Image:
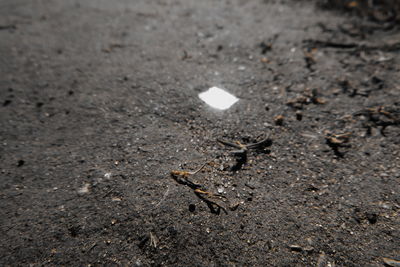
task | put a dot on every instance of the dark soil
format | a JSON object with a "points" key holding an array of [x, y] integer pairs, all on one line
{"points": [[99, 103]]}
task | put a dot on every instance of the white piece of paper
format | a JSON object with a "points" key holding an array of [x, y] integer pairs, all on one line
{"points": [[218, 98]]}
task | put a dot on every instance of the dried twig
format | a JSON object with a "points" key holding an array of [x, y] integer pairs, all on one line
{"points": [[241, 153], [182, 177], [335, 141]]}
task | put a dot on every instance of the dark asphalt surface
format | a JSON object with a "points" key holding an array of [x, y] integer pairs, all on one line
{"points": [[99, 103]]}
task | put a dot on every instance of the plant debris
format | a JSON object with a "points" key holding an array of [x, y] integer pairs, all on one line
{"points": [[309, 58], [380, 116], [212, 205], [279, 120], [391, 262], [241, 153], [8, 27], [309, 96], [336, 141], [352, 47], [182, 177]]}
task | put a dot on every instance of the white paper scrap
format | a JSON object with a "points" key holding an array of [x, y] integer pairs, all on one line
{"points": [[218, 98]]}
